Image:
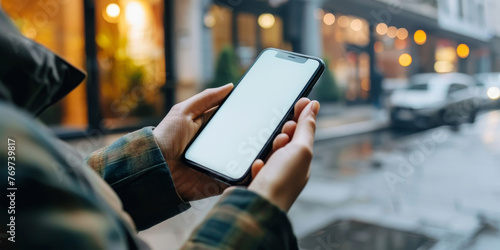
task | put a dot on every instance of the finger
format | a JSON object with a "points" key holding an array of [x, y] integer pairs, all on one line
{"points": [[206, 116], [306, 125], [289, 128], [256, 167], [209, 98], [280, 141], [299, 106]]}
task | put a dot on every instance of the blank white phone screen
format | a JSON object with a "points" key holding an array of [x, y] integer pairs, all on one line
{"points": [[244, 123]]}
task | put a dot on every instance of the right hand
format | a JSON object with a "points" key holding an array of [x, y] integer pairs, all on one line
{"points": [[281, 179]]}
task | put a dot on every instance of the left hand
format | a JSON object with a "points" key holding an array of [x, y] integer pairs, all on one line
{"points": [[174, 133], [182, 123]]}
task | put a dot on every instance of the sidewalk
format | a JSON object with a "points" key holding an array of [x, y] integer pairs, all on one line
{"points": [[336, 121]]}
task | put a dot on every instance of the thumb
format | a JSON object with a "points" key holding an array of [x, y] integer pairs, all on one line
{"points": [[306, 125], [209, 98]]}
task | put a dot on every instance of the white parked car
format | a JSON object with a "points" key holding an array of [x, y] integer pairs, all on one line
{"points": [[435, 99]]}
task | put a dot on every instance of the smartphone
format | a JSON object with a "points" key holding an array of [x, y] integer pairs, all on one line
{"points": [[244, 126]]}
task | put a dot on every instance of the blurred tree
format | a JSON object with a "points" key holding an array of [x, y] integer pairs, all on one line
{"points": [[226, 70], [326, 88]]}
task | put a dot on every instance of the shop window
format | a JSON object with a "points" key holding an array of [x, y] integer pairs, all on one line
{"points": [[242, 34], [59, 26], [247, 44], [131, 61], [222, 28], [344, 41], [273, 36]]}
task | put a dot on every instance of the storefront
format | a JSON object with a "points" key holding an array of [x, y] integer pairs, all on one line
{"points": [[120, 43], [142, 56]]}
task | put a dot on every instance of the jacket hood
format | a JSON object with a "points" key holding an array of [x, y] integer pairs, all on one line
{"points": [[32, 77]]}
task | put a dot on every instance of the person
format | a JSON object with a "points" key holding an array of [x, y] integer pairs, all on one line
{"points": [[54, 199]]}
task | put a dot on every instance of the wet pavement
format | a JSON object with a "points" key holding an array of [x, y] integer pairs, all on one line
{"points": [[434, 189], [439, 184]]}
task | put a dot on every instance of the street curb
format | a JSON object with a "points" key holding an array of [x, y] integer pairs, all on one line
{"points": [[350, 129]]}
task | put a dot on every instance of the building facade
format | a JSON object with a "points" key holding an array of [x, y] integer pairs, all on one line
{"points": [[142, 56]]}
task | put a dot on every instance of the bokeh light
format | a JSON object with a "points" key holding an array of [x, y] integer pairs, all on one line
{"points": [[392, 32], [266, 20], [493, 93], [382, 29], [356, 25], [209, 21], [329, 19], [402, 33], [420, 37], [113, 10], [463, 50], [111, 13], [405, 60]]}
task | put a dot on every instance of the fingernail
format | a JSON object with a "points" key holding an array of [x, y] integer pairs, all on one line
{"points": [[315, 107]]}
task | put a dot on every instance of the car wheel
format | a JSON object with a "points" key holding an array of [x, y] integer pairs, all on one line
{"points": [[422, 122], [472, 117], [440, 121]]}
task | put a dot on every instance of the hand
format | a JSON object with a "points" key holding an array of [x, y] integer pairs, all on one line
{"points": [[281, 179], [174, 133], [179, 127]]}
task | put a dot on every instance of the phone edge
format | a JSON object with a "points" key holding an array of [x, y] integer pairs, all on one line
{"points": [[246, 178]]}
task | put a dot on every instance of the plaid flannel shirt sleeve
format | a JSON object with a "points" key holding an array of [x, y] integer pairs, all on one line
{"points": [[243, 220], [136, 170]]}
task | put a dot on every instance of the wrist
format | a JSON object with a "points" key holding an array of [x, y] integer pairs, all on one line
{"points": [[279, 199]]}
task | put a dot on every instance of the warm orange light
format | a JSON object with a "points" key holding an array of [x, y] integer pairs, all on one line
{"points": [[446, 54], [135, 14], [356, 25], [463, 50], [405, 60], [266, 20], [329, 19], [444, 67], [382, 29], [400, 44], [111, 13], [365, 84], [343, 21], [392, 32], [209, 21], [420, 37], [113, 10], [402, 33], [379, 47]]}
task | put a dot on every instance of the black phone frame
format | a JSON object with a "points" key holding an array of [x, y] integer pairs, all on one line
{"points": [[246, 178]]}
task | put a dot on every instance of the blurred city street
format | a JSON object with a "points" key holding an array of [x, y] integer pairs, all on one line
{"points": [[439, 184], [407, 144]]}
